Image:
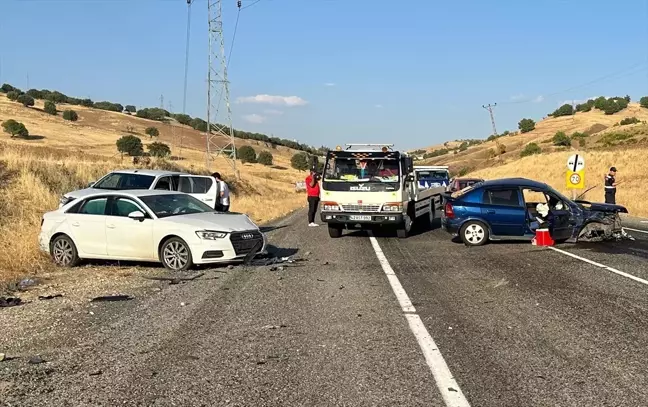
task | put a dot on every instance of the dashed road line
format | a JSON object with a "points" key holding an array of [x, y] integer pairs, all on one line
{"points": [[636, 230], [603, 266], [446, 383]]}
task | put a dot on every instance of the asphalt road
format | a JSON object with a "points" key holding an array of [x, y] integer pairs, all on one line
{"points": [[516, 325]]}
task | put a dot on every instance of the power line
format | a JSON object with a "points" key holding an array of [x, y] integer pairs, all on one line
{"points": [[252, 4], [623, 72]]}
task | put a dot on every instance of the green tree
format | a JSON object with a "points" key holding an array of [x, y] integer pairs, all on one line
{"points": [[643, 102], [265, 158], [13, 95], [198, 124], [25, 100], [561, 139], [526, 125], [16, 129], [530, 149], [6, 88], [70, 115], [246, 154], [183, 119], [35, 93], [160, 150], [86, 102], [50, 107], [110, 106], [564, 110], [629, 120], [152, 132], [130, 108], [152, 113], [130, 145], [56, 97], [299, 161]]}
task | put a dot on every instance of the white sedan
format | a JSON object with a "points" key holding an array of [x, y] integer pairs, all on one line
{"points": [[170, 227]]}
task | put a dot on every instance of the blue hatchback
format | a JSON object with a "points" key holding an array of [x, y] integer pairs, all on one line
{"points": [[505, 209]]}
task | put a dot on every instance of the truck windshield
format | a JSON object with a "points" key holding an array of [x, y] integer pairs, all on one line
{"points": [[351, 169]]}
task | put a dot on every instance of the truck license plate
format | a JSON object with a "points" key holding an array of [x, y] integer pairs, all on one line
{"points": [[360, 217]]}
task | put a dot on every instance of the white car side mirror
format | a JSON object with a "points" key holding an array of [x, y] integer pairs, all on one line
{"points": [[137, 215]]}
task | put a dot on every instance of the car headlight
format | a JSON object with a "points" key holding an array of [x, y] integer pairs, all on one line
{"points": [[210, 234]]}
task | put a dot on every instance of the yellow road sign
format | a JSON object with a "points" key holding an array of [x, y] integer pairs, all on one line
{"points": [[575, 179]]}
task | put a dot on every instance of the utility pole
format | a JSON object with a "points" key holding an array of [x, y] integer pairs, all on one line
{"points": [[172, 128], [27, 80], [217, 91], [161, 101], [490, 110]]}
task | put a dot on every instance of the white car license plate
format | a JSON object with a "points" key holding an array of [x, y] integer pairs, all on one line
{"points": [[360, 217]]}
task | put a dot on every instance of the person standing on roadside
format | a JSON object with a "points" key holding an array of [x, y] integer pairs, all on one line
{"points": [[313, 192], [610, 186], [222, 194]]}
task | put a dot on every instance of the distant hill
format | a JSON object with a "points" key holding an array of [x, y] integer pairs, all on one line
{"points": [[597, 131]]}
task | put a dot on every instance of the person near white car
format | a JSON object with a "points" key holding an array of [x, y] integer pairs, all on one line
{"points": [[223, 198], [170, 227]]}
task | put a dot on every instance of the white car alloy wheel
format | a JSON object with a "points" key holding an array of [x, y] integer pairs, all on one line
{"points": [[474, 234], [175, 255], [64, 252]]}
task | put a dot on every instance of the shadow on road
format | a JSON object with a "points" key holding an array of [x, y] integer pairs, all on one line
{"points": [[266, 229]]}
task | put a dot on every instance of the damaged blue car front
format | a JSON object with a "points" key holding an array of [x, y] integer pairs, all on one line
{"points": [[502, 210]]}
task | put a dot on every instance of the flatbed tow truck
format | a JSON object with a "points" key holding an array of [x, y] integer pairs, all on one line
{"points": [[367, 186]]}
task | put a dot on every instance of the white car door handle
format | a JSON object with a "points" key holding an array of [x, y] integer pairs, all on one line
{"points": [[208, 199], [75, 223], [110, 226]]}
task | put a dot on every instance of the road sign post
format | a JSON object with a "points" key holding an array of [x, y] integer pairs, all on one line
{"points": [[575, 177]]}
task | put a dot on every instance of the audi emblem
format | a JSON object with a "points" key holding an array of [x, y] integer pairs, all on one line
{"points": [[247, 236]]}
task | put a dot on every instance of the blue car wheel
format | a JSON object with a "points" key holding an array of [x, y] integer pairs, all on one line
{"points": [[473, 233]]}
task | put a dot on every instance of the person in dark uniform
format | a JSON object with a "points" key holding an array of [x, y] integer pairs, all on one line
{"points": [[610, 186]]}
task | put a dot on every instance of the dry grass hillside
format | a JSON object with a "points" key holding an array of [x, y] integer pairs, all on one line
{"points": [[598, 127], [551, 168], [604, 142], [60, 156]]}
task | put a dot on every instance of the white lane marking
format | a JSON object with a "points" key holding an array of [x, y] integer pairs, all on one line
{"points": [[603, 266], [636, 230], [446, 383]]}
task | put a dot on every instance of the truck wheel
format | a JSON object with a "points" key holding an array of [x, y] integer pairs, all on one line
{"points": [[404, 230], [474, 233], [335, 231]]}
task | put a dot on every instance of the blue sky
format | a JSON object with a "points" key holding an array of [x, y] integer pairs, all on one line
{"points": [[358, 70]]}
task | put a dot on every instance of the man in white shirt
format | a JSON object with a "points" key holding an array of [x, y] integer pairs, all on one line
{"points": [[223, 198]]}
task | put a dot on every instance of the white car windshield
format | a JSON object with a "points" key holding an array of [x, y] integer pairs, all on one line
{"points": [[120, 181], [174, 204]]}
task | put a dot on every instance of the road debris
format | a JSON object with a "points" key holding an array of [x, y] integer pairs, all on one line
{"points": [[97, 372], [49, 297], [110, 298], [36, 360], [10, 302], [174, 279], [26, 283], [274, 326], [2, 357]]}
